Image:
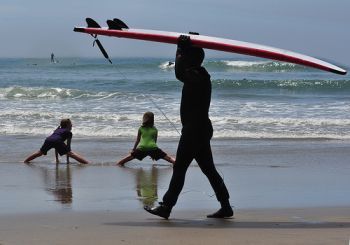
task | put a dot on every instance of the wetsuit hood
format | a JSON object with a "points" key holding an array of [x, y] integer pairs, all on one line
{"points": [[189, 56]]}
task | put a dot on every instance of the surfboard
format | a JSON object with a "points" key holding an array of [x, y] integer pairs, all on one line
{"points": [[117, 28]]}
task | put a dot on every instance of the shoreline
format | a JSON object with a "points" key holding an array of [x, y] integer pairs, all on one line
{"points": [[126, 143]]}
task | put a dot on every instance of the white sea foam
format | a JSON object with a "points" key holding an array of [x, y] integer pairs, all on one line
{"points": [[36, 92], [167, 65], [240, 63], [250, 99], [107, 124], [262, 66]]}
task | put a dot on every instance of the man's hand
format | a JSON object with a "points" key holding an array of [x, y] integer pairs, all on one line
{"points": [[184, 42]]}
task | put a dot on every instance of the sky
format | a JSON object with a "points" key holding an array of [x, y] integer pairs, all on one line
{"points": [[36, 28]]}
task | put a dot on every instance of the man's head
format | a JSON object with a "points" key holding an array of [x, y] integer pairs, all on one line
{"points": [[191, 56]]}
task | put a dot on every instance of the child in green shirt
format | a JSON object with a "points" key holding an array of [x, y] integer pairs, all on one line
{"points": [[146, 143]]}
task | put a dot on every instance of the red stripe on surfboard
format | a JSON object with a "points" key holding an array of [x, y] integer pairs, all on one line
{"points": [[133, 35]]}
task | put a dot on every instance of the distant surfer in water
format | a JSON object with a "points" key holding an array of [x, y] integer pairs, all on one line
{"points": [[146, 143], [197, 131], [52, 58], [56, 140]]}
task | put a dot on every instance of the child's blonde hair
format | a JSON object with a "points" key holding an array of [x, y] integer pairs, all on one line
{"points": [[148, 119], [65, 123]]}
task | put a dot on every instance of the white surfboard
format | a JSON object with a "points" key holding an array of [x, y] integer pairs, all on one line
{"points": [[118, 29]]}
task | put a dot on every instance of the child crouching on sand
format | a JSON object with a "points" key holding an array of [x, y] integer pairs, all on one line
{"points": [[56, 140], [146, 143]]}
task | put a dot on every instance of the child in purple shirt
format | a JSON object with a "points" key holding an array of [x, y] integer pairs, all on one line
{"points": [[56, 140]]}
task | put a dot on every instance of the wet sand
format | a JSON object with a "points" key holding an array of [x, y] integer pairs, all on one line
{"points": [[283, 192], [278, 226]]}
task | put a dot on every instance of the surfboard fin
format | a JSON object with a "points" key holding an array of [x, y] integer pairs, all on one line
{"points": [[116, 24], [120, 23], [113, 25], [92, 23]]}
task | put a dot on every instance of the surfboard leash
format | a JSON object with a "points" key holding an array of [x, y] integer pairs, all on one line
{"points": [[99, 44], [153, 102]]}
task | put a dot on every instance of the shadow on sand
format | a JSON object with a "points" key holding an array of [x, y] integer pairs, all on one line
{"points": [[230, 223]]}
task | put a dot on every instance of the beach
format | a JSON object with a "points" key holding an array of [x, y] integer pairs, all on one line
{"points": [[281, 131], [281, 143], [283, 192]]}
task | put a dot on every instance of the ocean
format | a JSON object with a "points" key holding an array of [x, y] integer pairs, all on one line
{"points": [[281, 134], [252, 98]]}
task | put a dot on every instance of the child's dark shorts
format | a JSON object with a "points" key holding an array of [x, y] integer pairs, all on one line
{"points": [[60, 147], [155, 154]]}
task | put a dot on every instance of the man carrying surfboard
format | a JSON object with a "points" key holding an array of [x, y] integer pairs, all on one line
{"points": [[197, 131], [196, 94]]}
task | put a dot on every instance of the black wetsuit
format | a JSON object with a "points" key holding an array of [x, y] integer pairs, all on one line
{"points": [[196, 134]]}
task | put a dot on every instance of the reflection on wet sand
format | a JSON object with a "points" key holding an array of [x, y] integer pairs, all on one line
{"points": [[147, 185], [58, 181]]}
